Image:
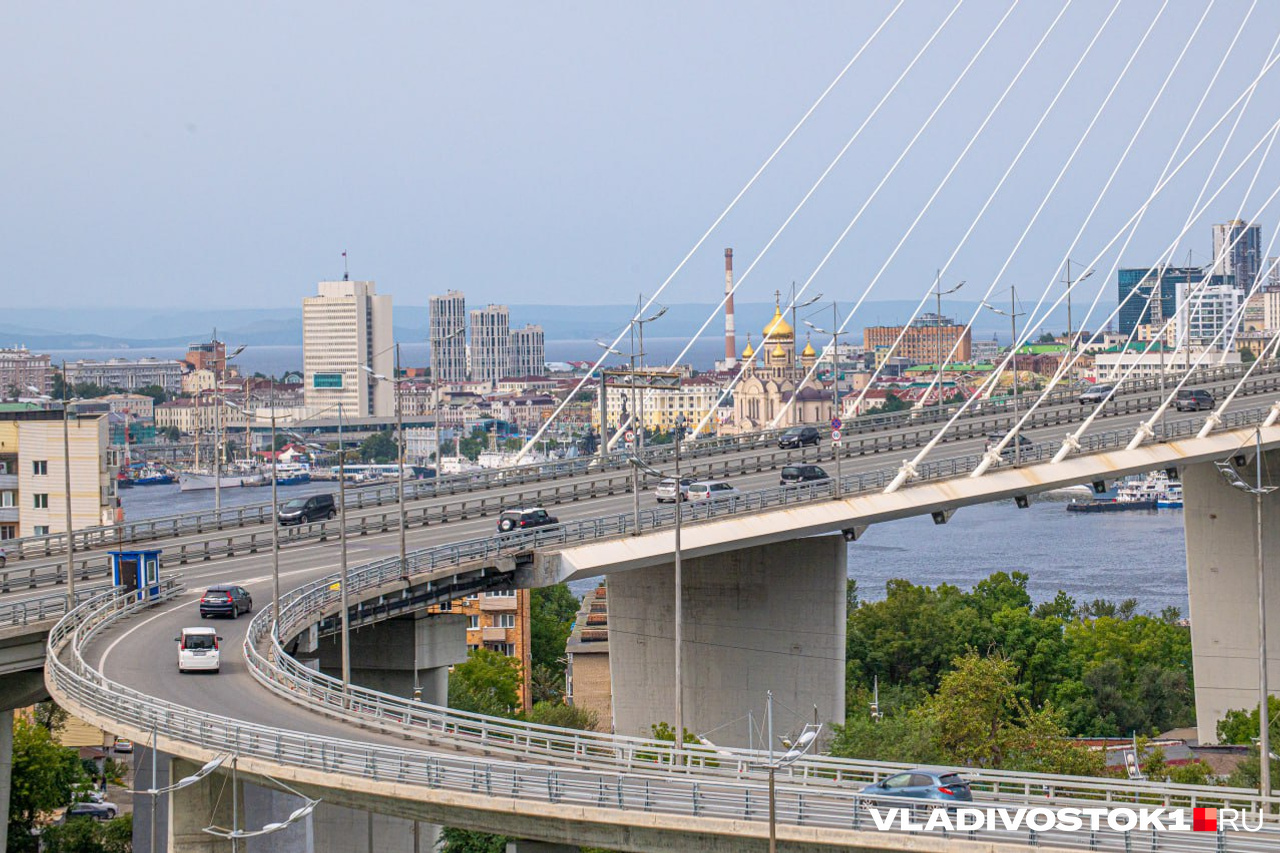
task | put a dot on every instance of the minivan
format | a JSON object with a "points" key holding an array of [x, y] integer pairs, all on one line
{"points": [[306, 510], [799, 437], [198, 650], [712, 490], [1193, 400], [803, 474]]}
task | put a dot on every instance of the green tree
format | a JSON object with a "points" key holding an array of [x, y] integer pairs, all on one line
{"points": [[552, 610], [472, 445], [155, 392], [547, 713], [380, 448], [1247, 356], [85, 835], [1238, 726], [170, 433], [43, 776], [486, 683], [453, 840]]}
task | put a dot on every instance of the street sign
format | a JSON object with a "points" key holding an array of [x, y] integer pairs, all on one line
{"points": [[835, 436], [835, 423], [629, 437]]}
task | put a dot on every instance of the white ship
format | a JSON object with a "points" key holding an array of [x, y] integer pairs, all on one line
{"points": [[194, 481]]}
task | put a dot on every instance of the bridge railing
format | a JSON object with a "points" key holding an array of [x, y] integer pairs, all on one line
{"points": [[355, 765], [993, 414]]}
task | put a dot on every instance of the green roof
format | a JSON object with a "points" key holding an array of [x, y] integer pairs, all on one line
{"points": [[19, 407], [1042, 349], [967, 368]]}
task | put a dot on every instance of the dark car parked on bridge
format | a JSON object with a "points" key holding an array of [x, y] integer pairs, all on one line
{"points": [[919, 784], [225, 600], [994, 439], [523, 519], [1193, 400], [799, 437], [803, 474], [307, 510]]}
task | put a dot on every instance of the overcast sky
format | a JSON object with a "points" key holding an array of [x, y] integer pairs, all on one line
{"points": [[226, 154]]}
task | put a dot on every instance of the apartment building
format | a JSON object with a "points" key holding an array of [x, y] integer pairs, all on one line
{"points": [[448, 325], [127, 375], [499, 621], [919, 343], [22, 370], [588, 684], [192, 415], [490, 347], [528, 352], [660, 407], [346, 328], [33, 468]]}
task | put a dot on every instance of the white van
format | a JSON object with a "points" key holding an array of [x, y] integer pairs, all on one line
{"points": [[197, 649]]}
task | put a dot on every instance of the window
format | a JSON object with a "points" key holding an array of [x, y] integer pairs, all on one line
{"points": [[504, 620], [471, 647], [502, 648], [446, 607], [39, 467], [41, 500], [41, 530], [473, 622], [8, 498], [502, 593]]}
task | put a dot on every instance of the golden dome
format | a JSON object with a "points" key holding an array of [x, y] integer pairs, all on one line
{"points": [[778, 351], [779, 328], [809, 351], [749, 351]]}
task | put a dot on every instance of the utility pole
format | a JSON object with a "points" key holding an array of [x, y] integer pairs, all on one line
{"points": [[1264, 710], [404, 517], [66, 482], [679, 584], [939, 293], [342, 537]]}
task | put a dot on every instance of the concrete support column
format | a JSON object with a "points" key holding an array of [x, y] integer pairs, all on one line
{"points": [[757, 619], [397, 655], [6, 773], [206, 803], [1222, 578]]}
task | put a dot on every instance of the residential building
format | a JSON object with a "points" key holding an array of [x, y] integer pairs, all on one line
{"points": [[33, 460], [528, 352], [490, 347], [207, 356], [499, 621], [661, 406], [522, 384], [588, 684], [138, 406], [1273, 274], [193, 415], [127, 375], [448, 323], [22, 370], [1111, 364], [984, 351], [920, 343], [346, 328], [1208, 315], [1271, 310], [1237, 252]]}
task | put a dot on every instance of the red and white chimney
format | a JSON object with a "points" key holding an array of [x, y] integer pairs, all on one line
{"points": [[730, 339]]}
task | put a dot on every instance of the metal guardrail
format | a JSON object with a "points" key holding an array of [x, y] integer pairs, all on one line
{"points": [[994, 413], [691, 796], [229, 542]]}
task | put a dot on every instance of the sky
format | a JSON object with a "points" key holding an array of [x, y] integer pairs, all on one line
{"points": [[225, 155]]}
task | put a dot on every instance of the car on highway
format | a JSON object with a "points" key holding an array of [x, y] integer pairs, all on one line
{"points": [[96, 811], [799, 437], [802, 474], [225, 599], [524, 519], [922, 784], [198, 650], [1193, 400], [994, 439], [712, 490], [121, 744], [666, 491], [3, 558], [1096, 394], [308, 509]]}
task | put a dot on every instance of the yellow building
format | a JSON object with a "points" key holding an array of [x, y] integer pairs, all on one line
{"points": [[660, 407], [499, 621]]}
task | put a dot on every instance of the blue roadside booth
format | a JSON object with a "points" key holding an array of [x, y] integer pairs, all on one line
{"points": [[137, 572]]}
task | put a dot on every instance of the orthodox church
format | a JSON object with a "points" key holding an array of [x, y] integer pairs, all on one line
{"points": [[770, 380]]}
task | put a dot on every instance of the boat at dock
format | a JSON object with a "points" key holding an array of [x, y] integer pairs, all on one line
{"points": [[1154, 491]]}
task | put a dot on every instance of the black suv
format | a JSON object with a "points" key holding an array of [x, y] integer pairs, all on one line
{"points": [[1189, 400], [225, 599], [1019, 440], [306, 510], [523, 519], [803, 474], [799, 437]]}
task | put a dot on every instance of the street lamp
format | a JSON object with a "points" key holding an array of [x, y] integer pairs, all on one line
{"points": [[795, 751], [395, 383], [66, 453], [1258, 491], [939, 293], [1071, 339], [795, 306], [835, 333], [638, 324], [436, 380], [1013, 316]]}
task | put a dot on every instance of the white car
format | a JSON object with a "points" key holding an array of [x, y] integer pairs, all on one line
{"points": [[711, 490], [198, 650]]}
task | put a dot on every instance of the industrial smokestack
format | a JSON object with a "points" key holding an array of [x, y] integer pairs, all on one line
{"points": [[730, 339]]}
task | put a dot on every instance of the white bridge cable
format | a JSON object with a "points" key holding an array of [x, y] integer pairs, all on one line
{"points": [[871, 197], [972, 225], [1072, 441], [1065, 366], [908, 468], [1144, 430], [532, 442]]}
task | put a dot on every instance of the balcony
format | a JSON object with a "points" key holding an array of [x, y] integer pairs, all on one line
{"points": [[8, 514], [499, 604], [494, 635], [8, 482]]}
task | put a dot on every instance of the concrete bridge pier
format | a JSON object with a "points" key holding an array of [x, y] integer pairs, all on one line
{"points": [[1222, 578], [17, 690], [764, 618], [397, 655]]}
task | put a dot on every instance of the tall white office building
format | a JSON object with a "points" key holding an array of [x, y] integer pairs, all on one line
{"points": [[1237, 251], [528, 352], [490, 343], [448, 318], [345, 328], [1204, 312]]}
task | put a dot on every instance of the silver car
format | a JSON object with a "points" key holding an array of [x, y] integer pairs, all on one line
{"points": [[1096, 394], [666, 491], [712, 490]]}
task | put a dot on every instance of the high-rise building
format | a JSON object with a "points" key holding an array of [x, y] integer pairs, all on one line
{"points": [[528, 352], [21, 370], [448, 318], [1142, 308], [1273, 274], [1208, 315], [921, 344], [490, 343], [344, 329], [1237, 251]]}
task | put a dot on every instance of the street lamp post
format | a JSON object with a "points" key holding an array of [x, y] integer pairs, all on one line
{"points": [[1013, 316], [66, 482], [835, 333], [275, 521], [395, 384], [1071, 336], [342, 538], [679, 584], [795, 751], [639, 324], [939, 293], [436, 380]]}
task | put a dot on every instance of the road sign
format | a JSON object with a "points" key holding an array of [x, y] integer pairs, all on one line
{"points": [[835, 436], [629, 437], [835, 423]]}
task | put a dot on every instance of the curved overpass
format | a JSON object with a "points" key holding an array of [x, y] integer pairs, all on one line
{"points": [[700, 796]]}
